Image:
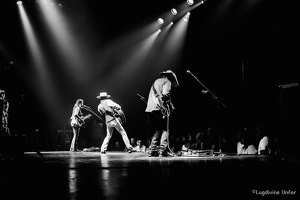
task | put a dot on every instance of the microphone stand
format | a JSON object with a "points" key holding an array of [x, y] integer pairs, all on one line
{"points": [[147, 116], [214, 98], [207, 90], [90, 110]]}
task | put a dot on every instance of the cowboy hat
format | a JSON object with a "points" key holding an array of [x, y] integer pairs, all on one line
{"points": [[171, 76], [103, 95]]}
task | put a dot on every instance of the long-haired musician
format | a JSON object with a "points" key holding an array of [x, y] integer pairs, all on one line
{"points": [[77, 119], [159, 107], [114, 117], [4, 114]]}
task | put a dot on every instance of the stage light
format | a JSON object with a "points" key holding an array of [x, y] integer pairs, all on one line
{"points": [[19, 2], [173, 11], [190, 2], [160, 21], [186, 17]]}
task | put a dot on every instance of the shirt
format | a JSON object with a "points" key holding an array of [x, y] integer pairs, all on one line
{"points": [[263, 144], [105, 105], [75, 114], [163, 87]]}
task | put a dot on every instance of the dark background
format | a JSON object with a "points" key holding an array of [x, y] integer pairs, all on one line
{"points": [[242, 51]]}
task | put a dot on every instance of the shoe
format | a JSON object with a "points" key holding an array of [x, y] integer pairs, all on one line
{"points": [[130, 150], [74, 150], [163, 154], [152, 153], [103, 152]]}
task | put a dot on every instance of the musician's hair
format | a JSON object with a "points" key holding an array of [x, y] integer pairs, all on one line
{"points": [[79, 101]]}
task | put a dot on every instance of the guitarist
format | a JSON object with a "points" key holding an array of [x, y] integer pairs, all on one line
{"points": [[77, 119], [114, 118], [159, 107]]}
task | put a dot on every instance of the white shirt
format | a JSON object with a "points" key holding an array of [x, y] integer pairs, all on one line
{"points": [[75, 113], [250, 149], [263, 144], [105, 105], [162, 86]]}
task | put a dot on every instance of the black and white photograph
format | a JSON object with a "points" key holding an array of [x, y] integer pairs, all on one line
{"points": [[169, 99]]}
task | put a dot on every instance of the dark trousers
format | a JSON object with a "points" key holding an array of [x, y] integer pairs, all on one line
{"points": [[158, 126]]}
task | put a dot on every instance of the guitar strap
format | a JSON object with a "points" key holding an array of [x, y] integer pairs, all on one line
{"points": [[157, 93]]}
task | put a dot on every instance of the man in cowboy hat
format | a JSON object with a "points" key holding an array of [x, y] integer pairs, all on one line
{"points": [[159, 106], [107, 107]]}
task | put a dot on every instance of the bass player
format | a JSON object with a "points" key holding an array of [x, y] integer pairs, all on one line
{"points": [[159, 107]]}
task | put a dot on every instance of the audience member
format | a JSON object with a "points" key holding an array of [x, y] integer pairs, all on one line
{"points": [[140, 147], [117, 146], [263, 141], [275, 146], [212, 139], [200, 141], [187, 142], [176, 148], [133, 142], [246, 145]]}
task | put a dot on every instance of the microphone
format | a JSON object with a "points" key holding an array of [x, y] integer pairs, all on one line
{"points": [[84, 106], [204, 91]]}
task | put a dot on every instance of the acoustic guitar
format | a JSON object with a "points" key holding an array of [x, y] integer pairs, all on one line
{"points": [[119, 115]]}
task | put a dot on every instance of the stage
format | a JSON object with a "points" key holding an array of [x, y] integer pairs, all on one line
{"points": [[118, 175]]}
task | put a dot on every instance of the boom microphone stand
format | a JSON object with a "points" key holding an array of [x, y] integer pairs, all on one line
{"points": [[215, 98]]}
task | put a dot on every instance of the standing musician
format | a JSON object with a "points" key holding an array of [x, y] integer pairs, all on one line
{"points": [[159, 107], [77, 119], [4, 114], [114, 117]]}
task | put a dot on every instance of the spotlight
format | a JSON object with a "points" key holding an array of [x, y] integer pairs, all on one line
{"points": [[160, 21], [186, 17], [19, 2], [173, 11], [190, 2]]}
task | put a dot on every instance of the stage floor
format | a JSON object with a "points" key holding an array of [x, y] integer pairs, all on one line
{"points": [[119, 175]]}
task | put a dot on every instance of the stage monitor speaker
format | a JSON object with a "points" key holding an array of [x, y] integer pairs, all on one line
{"points": [[289, 119]]}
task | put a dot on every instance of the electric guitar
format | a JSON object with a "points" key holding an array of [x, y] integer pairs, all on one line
{"points": [[166, 107], [81, 120]]}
